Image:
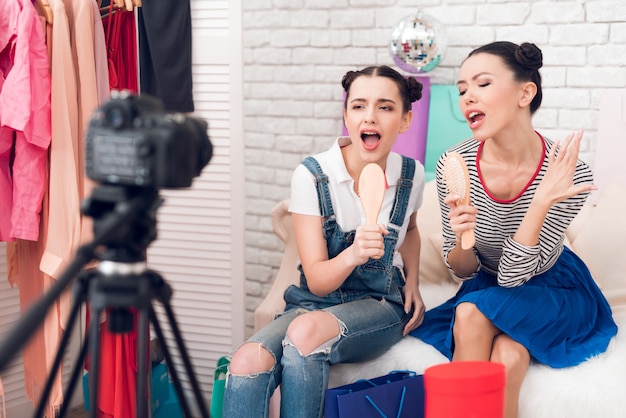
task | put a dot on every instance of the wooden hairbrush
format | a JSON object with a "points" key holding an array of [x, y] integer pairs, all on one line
{"points": [[456, 179], [372, 186]]}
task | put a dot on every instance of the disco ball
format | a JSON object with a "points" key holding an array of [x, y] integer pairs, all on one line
{"points": [[418, 43]]}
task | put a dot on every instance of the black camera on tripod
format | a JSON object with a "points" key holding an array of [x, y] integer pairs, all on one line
{"points": [[133, 148], [132, 141]]}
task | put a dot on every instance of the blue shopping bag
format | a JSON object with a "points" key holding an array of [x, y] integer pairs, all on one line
{"points": [[399, 394]]}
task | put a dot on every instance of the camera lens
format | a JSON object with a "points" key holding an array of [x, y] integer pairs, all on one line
{"points": [[198, 128]]}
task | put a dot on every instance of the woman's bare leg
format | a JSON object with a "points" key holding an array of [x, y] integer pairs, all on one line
{"points": [[251, 358], [473, 334], [309, 331], [306, 332], [516, 360]]}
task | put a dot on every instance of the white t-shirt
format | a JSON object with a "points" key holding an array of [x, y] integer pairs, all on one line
{"points": [[346, 204]]}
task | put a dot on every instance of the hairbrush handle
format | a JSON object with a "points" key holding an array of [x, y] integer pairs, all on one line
{"points": [[372, 186], [468, 239], [456, 178], [372, 191]]}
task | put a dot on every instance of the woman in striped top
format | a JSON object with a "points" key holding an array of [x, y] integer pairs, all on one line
{"points": [[524, 295]]}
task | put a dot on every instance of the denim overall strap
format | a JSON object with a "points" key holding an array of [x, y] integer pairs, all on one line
{"points": [[376, 278], [321, 183], [403, 191]]}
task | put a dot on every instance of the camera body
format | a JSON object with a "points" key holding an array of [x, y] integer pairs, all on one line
{"points": [[132, 141]]}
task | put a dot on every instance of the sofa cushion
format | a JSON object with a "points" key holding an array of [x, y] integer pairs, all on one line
{"points": [[597, 242], [429, 214], [432, 268], [579, 222]]}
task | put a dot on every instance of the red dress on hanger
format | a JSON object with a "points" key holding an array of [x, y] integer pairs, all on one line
{"points": [[118, 361]]}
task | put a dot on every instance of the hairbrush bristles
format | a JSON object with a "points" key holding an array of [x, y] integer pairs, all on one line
{"points": [[456, 179]]}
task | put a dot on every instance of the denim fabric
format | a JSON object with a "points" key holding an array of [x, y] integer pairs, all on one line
{"points": [[368, 307]]}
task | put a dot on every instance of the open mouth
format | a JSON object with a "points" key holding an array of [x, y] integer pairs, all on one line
{"points": [[370, 139], [475, 118]]}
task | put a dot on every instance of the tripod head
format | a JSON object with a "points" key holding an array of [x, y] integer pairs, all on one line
{"points": [[122, 250], [138, 206]]}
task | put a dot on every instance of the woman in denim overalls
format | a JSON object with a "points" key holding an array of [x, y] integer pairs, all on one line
{"points": [[358, 292]]}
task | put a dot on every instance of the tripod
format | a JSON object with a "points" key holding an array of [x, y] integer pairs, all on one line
{"points": [[124, 225]]}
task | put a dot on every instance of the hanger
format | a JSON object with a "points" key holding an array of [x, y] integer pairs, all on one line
{"points": [[112, 7], [45, 10], [118, 5]]}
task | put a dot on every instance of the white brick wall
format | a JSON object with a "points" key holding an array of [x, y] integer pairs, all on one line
{"points": [[296, 51]]}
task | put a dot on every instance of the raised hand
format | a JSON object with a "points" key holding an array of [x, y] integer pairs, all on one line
{"points": [[558, 182]]}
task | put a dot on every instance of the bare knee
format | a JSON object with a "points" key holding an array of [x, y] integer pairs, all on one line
{"points": [[308, 331], [514, 356], [468, 319], [251, 358]]}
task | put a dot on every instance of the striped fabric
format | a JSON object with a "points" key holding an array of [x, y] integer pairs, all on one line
{"points": [[497, 221]]}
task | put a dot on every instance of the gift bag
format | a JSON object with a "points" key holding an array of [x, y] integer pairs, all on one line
{"points": [[398, 394], [446, 125], [219, 384]]}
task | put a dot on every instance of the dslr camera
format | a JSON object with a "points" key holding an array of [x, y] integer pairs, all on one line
{"points": [[132, 141]]}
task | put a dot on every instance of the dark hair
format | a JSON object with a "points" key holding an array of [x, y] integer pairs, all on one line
{"points": [[410, 89], [524, 60]]}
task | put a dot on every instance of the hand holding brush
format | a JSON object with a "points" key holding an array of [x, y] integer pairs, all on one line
{"points": [[456, 179], [372, 186]]}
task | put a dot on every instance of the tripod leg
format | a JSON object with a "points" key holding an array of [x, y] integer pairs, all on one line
{"points": [[163, 293], [79, 292], [185, 357], [170, 364], [94, 372], [142, 372], [78, 366]]}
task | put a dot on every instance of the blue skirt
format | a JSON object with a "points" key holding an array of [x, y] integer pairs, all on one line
{"points": [[560, 316]]}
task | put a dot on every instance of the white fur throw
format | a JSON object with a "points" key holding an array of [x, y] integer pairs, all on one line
{"points": [[593, 389]]}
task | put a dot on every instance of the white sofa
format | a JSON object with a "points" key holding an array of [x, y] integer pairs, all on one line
{"points": [[596, 388]]}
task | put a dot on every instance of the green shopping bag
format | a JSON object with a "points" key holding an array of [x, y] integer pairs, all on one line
{"points": [[446, 125], [219, 384]]}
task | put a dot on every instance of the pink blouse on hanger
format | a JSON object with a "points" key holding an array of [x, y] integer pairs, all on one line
{"points": [[25, 130]]}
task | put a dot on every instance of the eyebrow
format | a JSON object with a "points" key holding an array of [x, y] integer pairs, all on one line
{"points": [[473, 78], [359, 99]]}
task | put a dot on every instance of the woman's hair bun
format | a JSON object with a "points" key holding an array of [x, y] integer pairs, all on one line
{"points": [[347, 79], [415, 89], [529, 55]]}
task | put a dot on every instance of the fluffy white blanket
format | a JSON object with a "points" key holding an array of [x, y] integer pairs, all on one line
{"points": [[595, 388]]}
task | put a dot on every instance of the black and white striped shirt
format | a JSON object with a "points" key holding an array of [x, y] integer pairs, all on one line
{"points": [[497, 221]]}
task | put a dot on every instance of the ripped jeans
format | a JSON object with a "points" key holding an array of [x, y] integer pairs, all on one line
{"points": [[368, 328]]}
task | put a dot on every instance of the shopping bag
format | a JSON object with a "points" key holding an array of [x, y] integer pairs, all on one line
{"points": [[399, 394], [446, 125], [219, 384]]}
